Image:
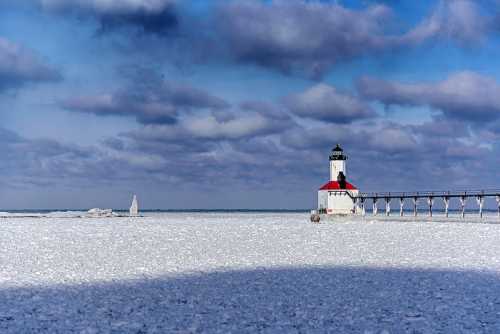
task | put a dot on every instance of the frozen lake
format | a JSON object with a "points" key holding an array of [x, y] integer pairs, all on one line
{"points": [[248, 272]]}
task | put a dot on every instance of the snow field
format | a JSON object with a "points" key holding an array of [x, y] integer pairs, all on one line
{"points": [[214, 272]]}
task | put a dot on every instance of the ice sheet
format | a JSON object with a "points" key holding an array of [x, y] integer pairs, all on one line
{"points": [[233, 272]]}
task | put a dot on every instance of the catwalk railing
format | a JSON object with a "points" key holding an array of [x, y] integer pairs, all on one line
{"points": [[430, 197]]}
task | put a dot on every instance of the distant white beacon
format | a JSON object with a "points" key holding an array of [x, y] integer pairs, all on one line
{"points": [[134, 207]]}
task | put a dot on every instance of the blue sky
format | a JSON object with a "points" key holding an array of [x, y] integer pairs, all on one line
{"points": [[236, 104]]}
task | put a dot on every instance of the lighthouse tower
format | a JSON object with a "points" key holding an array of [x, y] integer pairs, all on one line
{"points": [[337, 163], [337, 197]]}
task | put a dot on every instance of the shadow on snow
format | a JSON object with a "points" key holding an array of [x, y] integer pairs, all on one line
{"points": [[283, 300]]}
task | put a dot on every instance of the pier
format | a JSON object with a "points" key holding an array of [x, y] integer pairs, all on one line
{"points": [[429, 197], [340, 197]]}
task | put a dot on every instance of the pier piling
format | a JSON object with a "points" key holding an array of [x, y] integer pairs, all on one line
{"points": [[480, 202], [375, 207], [446, 201], [401, 204], [463, 200], [387, 206], [430, 201], [415, 204], [498, 204]]}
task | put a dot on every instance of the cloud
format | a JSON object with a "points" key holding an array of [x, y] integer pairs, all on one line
{"points": [[205, 148], [241, 127], [380, 138], [30, 163], [444, 128], [246, 151], [386, 156], [459, 20], [151, 16], [311, 37], [42, 160], [269, 109], [391, 139], [20, 66], [318, 138], [464, 95], [326, 103], [190, 136], [297, 36], [148, 98], [209, 128], [7, 136]]}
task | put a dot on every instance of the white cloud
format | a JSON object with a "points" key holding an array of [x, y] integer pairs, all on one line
{"points": [[326, 103], [109, 6]]}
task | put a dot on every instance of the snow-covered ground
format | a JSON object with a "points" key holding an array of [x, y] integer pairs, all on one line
{"points": [[247, 272]]}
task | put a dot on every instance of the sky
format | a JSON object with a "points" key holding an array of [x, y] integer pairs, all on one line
{"points": [[237, 104]]}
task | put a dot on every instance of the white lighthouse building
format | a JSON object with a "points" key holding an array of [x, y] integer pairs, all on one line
{"points": [[337, 197]]}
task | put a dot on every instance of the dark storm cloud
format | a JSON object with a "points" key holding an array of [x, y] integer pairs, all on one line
{"points": [[310, 37], [465, 95], [150, 99], [20, 66], [324, 102], [150, 16]]}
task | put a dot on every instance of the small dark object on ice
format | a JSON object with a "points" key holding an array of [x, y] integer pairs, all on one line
{"points": [[315, 218]]}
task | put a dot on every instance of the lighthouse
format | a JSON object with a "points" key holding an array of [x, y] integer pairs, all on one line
{"points": [[337, 197], [337, 162]]}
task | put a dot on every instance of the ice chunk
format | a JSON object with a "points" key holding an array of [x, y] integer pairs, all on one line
{"points": [[96, 212]]}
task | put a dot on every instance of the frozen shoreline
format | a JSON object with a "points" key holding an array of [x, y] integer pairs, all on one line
{"points": [[179, 242], [247, 272]]}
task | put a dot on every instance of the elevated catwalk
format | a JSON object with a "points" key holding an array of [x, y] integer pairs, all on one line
{"points": [[429, 197]]}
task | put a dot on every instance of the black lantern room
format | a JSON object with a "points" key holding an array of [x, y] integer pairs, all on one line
{"points": [[337, 153]]}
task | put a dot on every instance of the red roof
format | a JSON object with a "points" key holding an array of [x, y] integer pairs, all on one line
{"points": [[334, 185]]}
